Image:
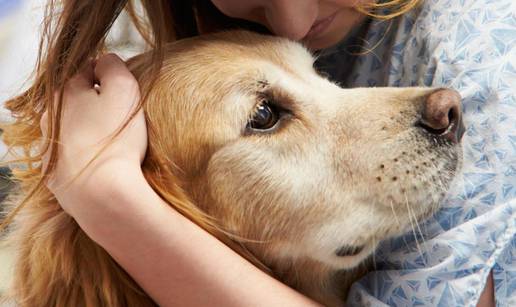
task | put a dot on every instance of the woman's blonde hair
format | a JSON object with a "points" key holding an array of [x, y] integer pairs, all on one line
{"points": [[53, 248], [388, 9]]}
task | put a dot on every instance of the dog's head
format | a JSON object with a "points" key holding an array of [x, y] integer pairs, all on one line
{"points": [[289, 161]]}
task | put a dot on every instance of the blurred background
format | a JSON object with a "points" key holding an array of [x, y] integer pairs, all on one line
{"points": [[18, 45], [20, 28]]}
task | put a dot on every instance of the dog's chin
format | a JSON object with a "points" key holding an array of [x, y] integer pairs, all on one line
{"points": [[349, 256]]}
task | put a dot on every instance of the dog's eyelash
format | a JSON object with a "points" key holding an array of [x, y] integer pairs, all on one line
{"points": [[261, 102], [263, 84], [263, 98]]}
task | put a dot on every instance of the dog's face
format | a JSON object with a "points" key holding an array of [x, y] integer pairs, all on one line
{"points": [[284, 158]]}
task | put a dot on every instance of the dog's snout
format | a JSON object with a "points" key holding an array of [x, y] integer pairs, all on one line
{"points": [[442, 115]]}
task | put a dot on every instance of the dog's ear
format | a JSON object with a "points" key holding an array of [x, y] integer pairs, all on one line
{"points": [[57, 264], [165, 178]]}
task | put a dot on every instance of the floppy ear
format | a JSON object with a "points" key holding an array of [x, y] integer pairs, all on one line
{"points": [[162, 175], [57, 264], [159, 168]]}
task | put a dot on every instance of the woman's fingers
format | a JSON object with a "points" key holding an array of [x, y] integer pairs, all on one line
{"points": [[83, 80], [113, 75], [80, 97], [89, 118]]}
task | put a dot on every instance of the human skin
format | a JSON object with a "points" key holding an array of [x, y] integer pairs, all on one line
{"points": [[295, 19], [173, 270]]}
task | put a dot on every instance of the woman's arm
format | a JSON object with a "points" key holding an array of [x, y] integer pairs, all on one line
{"points": [[174, 260]]}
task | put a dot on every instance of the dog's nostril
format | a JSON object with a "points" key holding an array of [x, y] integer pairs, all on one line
{"points": [[437, 131], [348, 250], [441, 115]]}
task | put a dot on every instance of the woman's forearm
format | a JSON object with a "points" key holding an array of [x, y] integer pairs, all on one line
{"points": [[173, 259]]}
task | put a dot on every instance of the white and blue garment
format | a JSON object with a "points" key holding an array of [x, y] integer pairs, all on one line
{"points": [[468, 45]]}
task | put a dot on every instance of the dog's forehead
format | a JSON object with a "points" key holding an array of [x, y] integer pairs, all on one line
{"points": [[242, 46], [289, 56]]}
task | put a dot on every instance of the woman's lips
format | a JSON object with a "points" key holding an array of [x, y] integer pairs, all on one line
{"points": [[319, 26]]}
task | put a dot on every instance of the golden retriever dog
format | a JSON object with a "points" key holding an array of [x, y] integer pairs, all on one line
{"points": [[298, 175]]}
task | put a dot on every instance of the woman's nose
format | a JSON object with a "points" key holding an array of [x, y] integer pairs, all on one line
{"points": [[290, 19]]}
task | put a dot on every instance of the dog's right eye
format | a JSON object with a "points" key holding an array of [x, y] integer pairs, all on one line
{"points": [[265, 118]]}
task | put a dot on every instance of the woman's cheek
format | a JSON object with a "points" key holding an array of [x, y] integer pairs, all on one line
{"points": [[236, 8]]}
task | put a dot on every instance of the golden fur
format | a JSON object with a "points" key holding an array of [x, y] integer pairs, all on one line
{"points": [[344, 167]]}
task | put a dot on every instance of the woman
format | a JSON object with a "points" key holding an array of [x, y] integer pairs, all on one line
{"points": [[423, 47]]}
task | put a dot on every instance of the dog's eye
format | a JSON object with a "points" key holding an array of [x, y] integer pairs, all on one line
{"points": [[265, 117]]}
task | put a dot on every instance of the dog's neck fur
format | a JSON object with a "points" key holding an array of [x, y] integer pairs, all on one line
{"points": [[315, 279]]}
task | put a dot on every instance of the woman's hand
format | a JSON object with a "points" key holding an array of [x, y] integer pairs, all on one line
{"points": [[91, 116]]}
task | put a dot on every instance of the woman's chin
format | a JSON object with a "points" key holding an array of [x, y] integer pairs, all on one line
{"points": [[326, 41], [336, 33]]}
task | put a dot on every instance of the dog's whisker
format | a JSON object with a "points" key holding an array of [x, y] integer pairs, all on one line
{"points": [[398, 222], [394, 213], [411, 214], [412, 225], [420, 232], [374, 253]]}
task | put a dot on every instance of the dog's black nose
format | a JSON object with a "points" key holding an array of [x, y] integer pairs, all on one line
{"points": [[442, 115]]}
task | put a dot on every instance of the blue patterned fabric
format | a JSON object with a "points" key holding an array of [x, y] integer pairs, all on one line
{"points": [[468, 45]]}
